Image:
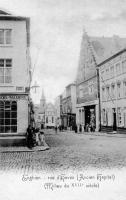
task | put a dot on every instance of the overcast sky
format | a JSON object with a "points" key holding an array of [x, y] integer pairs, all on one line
{"points": [[56, 31]]}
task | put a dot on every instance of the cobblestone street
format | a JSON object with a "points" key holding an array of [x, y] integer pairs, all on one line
{"points": [[70, 151]]}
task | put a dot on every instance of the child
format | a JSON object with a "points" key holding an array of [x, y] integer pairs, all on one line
{"points": [[41, 136]]}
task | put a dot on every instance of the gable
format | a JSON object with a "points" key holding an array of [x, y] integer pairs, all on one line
{"points": [[99, 47]]}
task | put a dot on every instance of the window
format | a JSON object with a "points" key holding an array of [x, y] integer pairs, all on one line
{"points": [[107, 72], [104, 116], [118, 90], [124, 66], [52, 120], [91, 89], [124, 89], [102, 75], [5, 36], [113, 91], [81, 91], [112, 71], [118, 68], [8, 116], [103, 94], [119, 116], [5, 70], [107, 92], [46, 119]]}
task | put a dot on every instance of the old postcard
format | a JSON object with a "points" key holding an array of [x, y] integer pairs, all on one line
{"points": [[62, 99]]}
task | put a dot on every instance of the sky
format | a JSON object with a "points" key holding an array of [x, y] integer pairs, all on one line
{"points": [[56, 33]]}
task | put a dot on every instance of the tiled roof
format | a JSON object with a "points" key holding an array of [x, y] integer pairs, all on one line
{"points": [[104, 47]]}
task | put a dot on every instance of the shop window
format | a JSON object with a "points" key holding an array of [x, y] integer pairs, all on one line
{"points": [[5, 36], [52, 120], [8, 116], [5, 70]]}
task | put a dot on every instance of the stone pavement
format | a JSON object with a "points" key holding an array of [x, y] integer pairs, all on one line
{"points": [[68, 151], [104, 134], [23, 149]]}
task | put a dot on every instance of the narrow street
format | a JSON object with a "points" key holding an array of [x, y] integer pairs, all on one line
{"points": [[70, 151]]}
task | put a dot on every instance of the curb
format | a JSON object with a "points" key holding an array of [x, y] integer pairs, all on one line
{"points": [[23, 149]]}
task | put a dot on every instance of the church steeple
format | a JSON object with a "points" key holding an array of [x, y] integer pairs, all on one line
{"points": [[42, 101]]}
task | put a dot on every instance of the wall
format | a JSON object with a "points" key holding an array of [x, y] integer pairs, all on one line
{"points": [[84, 93], [18, 52], [107, 79]]}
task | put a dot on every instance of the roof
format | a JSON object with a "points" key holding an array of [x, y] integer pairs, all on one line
{"points": [[95, 50], [111, 57], [6, 15], [104, 47]]}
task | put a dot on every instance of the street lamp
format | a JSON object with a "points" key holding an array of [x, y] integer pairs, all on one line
{"points": [[35, 86]]}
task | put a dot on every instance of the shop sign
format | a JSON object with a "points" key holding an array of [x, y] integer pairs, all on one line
{"points": [[13, 97]]}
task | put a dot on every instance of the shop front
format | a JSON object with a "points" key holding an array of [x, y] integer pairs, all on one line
{"points": [[14, 117], [88, 116]]}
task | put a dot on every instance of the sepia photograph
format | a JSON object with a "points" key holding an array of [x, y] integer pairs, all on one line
{"points": [[62, 99]]}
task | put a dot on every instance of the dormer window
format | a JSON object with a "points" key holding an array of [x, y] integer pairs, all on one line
{"points": [[5, 36]]}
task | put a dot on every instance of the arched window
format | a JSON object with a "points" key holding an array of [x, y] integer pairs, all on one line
{"points": [[8, 116]]}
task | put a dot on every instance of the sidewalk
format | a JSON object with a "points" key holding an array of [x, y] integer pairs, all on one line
{"points": [[109, 134], [23, 149]]}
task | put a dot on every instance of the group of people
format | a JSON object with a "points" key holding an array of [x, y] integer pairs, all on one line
{"points": [[35, 137], [88, 127]]}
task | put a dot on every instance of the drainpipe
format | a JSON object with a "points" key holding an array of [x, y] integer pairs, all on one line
{"points": [[99, 99]]}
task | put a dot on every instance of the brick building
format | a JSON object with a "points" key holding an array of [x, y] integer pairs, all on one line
{"points": [[113, 92], [68, 114], [50, 116], [93, 51]]}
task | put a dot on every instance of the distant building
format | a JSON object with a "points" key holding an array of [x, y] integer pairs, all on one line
{"points": [[50, 116], [113, 92], [14, 77], [68, 115], [58, 109], [93, 51], [40, 112]]}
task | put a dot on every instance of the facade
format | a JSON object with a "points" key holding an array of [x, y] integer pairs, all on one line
{"points": [[87, 92], [93, 51], [68, 115], [50, 116], [14, 64], [113, 92]]}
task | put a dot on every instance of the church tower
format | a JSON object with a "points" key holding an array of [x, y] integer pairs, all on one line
{"points": [[42, 102]]}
